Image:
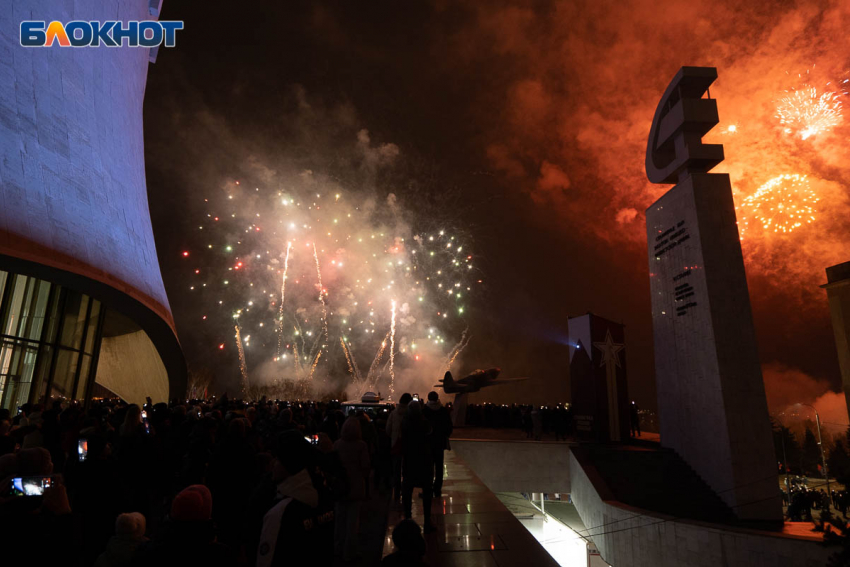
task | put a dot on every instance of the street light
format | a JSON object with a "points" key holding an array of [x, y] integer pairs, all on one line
{"points": [[784, 458], [820, 442]]}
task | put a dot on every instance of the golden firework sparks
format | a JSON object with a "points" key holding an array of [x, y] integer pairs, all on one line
{"points": [[782, 205]]}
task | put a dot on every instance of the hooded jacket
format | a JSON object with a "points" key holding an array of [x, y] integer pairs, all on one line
{"points": [[298, 527], [394, 421], [354, 455], [441, 424]]}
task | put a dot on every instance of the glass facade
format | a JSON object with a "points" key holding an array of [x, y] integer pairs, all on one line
{"points": [[49, 337]]}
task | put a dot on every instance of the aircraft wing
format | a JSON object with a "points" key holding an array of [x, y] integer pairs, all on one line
{"points": [[497, 382]]}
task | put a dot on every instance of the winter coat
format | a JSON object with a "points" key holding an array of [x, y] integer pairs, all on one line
{"points": [[418, 457], [394, 422], [354, 455], [119, 551], [298, 528], [441, 424]]}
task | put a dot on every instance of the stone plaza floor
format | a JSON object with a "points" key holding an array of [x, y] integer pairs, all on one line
{"points": [[474, 527]]}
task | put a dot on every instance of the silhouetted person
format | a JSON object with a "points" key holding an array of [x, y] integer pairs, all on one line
{"points": [[441, 430], [394, 422], [537, 422], [42, 526], [129, 534], [354, 454], [189, 537], [417, 466], [634, 418], [232, 467], [409, 544], [297, 527]]}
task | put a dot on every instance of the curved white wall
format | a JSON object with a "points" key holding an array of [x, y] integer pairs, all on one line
{"points": [[73, 196], [72, 167]]}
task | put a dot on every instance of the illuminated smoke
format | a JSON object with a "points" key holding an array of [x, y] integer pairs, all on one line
{"points": [[361, 254]]}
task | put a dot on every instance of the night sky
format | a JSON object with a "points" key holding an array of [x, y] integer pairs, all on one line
{"points": [[522, 126]]}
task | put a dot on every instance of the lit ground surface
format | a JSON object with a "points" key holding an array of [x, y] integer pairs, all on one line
{"points": [[474, 528], [561, 541], [510, 434], [497, 434]]}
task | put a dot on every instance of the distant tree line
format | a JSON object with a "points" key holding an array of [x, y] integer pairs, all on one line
{"points": [[800, 451]]}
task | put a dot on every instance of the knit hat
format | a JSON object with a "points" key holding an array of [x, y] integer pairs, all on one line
{"points": [[193, 503], [132, 524]]}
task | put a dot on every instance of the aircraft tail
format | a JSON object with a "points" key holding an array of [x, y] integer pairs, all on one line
{"points": [[447, 380]]}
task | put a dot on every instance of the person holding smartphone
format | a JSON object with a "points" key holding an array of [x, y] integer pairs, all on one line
{"points": [[29, 521]]}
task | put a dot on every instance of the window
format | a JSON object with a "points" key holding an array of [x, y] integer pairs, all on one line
{"points": [[48, 339]]}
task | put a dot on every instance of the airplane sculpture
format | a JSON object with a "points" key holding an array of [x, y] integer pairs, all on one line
{"points": [[474, 382]]}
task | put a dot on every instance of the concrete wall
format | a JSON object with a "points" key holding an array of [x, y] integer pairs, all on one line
{"points": [[130, 366], [838, 292], [629, 537], [517, 466], [73, 198], [72, 148]]}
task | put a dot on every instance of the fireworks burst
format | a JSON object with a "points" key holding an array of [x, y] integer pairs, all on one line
{"points": [[782, 205], [348, 276], [808, 112], [243, 366]]}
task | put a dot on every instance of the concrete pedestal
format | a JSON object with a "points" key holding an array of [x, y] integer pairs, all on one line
{"points": [[459, 409], [838, 292], [711, 399]]}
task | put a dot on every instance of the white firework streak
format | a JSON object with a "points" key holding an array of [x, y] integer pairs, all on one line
{"points": [[456, 350], [321, 295], [392, 351], [351, 360], [282, 298], [371, 377], [315, 362]]}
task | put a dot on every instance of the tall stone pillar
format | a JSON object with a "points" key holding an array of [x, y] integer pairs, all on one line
{"points": [[838, 292], [711, 400]]}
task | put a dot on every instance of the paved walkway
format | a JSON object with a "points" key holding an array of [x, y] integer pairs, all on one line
{"points": [[474, 528]]}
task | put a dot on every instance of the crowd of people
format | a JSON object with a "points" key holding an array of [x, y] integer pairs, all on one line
{"points": [[535, 421], [214, 482], [800, 499]]}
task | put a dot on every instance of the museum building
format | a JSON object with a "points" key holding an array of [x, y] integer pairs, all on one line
{"points": [[83, 309]]}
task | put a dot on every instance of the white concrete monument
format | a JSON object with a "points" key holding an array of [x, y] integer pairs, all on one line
{"points": [[711, 401], [838, 291]]}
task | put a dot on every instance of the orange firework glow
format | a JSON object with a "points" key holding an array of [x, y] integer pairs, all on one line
{"points": [[807, 112], [782, 205]]}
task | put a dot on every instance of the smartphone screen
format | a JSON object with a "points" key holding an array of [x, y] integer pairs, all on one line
{"points": [[31, 485], [82, 449]]}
